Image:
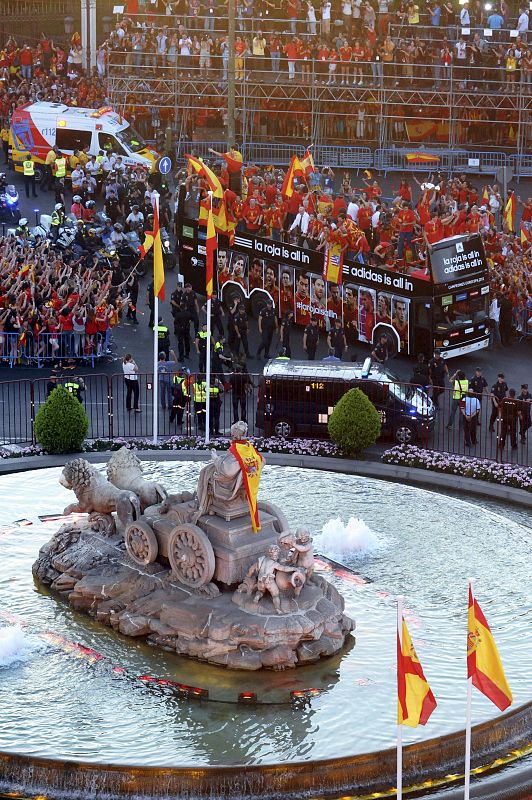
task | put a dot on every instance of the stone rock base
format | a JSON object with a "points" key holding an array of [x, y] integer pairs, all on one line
{"points": [[95, 574]]}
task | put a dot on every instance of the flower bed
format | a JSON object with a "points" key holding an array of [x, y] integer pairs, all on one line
{"points": [[479, 468], [307, 447]]}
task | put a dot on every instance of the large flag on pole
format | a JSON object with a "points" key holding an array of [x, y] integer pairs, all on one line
{"points": [[415, 699], [307, 163], [158, 263], [483, 662], [210, 247], [287, 189], [202, 169], [251, 465]]}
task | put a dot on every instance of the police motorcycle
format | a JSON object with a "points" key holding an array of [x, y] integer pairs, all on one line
{"points": [[127, 249], [9, 211], [61, 240]]}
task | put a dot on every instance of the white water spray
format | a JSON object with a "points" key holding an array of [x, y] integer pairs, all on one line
{"points": [[17, 646], [339, 539]]}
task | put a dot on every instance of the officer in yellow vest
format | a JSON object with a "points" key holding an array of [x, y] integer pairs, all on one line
{"points": [[180, 396], [29, 175], [201, 347], [60, 168], [460, 389], [48, 169], [215, 406], [199, 395], [163, 338], [75, 386], [4, 136]]}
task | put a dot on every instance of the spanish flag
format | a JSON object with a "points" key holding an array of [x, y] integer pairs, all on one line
{"points": [[210, 247], [287, 189], [483, 661], [415, 699], [307, 163], [526, 234], [146, 244], [333, 263], [202, 169], [251, 465], [422, 158], [509, 213], [485, 196], [158, 264]]}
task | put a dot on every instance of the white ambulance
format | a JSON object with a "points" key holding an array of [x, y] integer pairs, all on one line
{"points": [[37, 127]]}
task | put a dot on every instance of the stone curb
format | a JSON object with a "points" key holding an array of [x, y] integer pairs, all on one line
{"points": [[369, 469]]}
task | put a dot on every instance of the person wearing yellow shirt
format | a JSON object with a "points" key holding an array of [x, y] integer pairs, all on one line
{"points": [[4, 136], [73, 160], [48, 171], [83, 156]]}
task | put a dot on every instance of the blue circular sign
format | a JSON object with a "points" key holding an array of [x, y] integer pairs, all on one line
{"points": [[165, 165]]}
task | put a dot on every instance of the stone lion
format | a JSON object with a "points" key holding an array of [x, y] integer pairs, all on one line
{"points": [[124, 470], [96, 496]]}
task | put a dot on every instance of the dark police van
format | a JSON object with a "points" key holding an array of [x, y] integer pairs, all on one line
{"points": [[296, 398]]}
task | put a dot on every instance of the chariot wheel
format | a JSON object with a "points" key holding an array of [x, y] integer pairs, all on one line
{"points": [[191, 555], [141, 543]]}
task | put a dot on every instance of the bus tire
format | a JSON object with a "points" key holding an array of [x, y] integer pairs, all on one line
{"points": [[231, 292], [283, 428], [386, 330], [404, 434], [258, 302]]}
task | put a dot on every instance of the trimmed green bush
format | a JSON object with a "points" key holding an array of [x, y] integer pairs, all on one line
{"points": [[61, 423], [354, 423]]}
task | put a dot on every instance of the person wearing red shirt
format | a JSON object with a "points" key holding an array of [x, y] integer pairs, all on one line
{"points": [[345, 60], [252, 216], [527, 211], [322, 57], [338, 206], [293, 207], [291, 50], [358, 55], [405, 192], [433, 230], [405, 220], [333, 60]]}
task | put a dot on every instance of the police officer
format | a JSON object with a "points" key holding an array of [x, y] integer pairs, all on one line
{"points": [[438, 371], [460, 390], [163, 337], [181, 317], [180, 395], [287, 324], [58, 218], [310, 338], [48, 169], [217, 315], [192, 305], [29, 176], [75, 386], [380, 351], [22, 229], [215, 405], [60, 168], [509, 412], [478, 384], [219, 359], [242, 327], [336, 339], [201, 347], [525, 406], [498, 393], [199, 395], [150, 302], [267, 328]]}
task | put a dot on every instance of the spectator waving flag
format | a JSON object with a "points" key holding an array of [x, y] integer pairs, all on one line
{"points": [[509, 213], [307, 163], [415, 699], [158, 264], [210, 247], [203, 170], [287, 189], [483, 662]]}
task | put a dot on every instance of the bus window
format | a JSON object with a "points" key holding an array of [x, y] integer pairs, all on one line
{"points": [[68, 140], [462, 312], [109, 144]]}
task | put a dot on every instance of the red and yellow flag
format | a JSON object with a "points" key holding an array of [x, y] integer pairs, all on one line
{"points": [[333, 263], [415, 701], [483, 661], [287, 189], [251, 465], [421, 158], [202, 169], [307, 163], [485, 197], [509, 213], [158, 263], [526, 234], [146, 244], [210, 247]]}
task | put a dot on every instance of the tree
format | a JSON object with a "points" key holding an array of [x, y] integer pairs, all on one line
{"points": [[61, 423], [355, 423]]}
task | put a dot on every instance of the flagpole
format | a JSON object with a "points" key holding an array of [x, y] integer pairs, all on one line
{"points": [[155, 345], [208, 365], [467, 766], [399, 727]]}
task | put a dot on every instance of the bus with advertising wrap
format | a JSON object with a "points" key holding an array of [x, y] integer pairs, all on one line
{"points": [[445, 305]]}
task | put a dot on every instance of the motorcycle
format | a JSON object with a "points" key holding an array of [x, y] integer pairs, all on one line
{"points": [[9, 211]]}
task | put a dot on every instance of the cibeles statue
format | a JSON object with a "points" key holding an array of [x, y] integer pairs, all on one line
{"points": [[220, 487]]}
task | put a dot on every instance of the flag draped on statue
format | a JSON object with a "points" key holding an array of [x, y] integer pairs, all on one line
{"points": [[210, 247], [158, 264], [203, 170], [251, 465], [415, 699], [483, 661], [287, 189], [333, 262], [509, 213]]}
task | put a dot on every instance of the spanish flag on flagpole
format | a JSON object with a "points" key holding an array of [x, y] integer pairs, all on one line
{"points": [[210, 247], [158, 263], [287, 189], [415, 699], [203, 170], [251, 465], [483, 662], [509, 213]]}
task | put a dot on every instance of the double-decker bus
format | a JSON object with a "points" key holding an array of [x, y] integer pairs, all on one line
{"points": [[445, 305]]}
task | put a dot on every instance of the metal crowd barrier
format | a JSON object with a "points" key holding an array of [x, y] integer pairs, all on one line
{"points": [[48, 348], [302, 414]]}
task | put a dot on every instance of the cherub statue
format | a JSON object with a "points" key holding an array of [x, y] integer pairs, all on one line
{"points": [[265, 569], [301, 551]]}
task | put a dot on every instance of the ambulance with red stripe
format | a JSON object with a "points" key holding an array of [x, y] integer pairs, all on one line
{"points": [[37, 127]]}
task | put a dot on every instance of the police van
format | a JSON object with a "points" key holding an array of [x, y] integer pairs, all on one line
{"points": [[296, 398], [37, 127]]}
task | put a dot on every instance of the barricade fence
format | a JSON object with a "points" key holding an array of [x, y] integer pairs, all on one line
{"points": [[296, 408], [45, 349]]}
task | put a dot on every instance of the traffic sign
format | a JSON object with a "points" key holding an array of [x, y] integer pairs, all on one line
{"points": [[165, 165]]}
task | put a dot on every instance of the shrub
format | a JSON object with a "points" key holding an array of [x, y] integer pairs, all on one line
{"points": [[354, 423], [61, 423]]}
